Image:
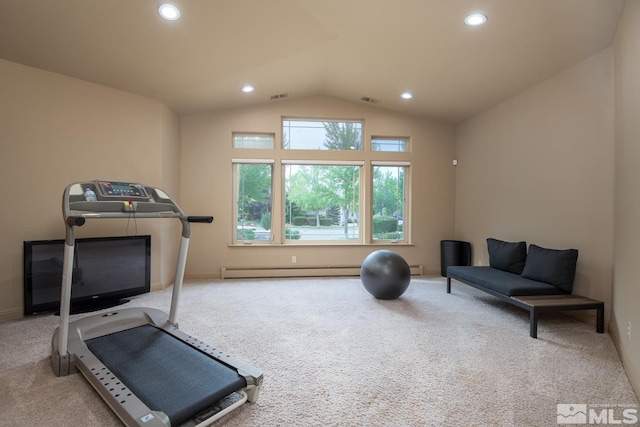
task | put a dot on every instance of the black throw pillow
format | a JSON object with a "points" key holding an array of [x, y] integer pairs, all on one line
{"points": [[553, 266], [507, 256]]}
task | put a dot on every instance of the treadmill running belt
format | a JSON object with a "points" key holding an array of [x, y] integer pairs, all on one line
{"points": [[165, 373]]}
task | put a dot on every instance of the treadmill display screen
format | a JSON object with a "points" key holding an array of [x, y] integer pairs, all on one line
{"points": [[122, 189]]}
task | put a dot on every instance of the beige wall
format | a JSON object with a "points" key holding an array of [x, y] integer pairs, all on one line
{"points": [[55, 130], [206, 186], [545, 165], [539, 168], [626, 287]]}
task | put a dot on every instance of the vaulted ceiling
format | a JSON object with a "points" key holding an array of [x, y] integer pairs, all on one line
{"points": [[349, 49]]}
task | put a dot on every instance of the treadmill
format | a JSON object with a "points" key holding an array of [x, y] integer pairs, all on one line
{"points": [[148, 371]]}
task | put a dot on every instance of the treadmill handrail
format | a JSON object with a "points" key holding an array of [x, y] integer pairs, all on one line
{"points": [[76, 211]]}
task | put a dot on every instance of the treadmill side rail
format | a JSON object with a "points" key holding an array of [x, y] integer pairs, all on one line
{"points": [[131, 410], [252, 376]]}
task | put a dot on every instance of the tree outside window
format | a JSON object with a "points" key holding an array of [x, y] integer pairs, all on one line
{"points": [[388, 202], [321, 135], [253, 202], [328, 199]]}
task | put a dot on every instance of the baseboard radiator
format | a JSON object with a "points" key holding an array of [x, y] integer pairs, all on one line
{"points": [[325, 271]]}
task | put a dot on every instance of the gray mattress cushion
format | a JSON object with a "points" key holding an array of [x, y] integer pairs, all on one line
{"points": [[505, 283]]}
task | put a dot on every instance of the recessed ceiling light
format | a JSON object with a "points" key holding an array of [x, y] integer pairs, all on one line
{"points": [[169, 12], [475, 19], [406, 95], [248, 88]]}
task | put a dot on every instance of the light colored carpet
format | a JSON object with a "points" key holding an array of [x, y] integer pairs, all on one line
{"points": [[332, 355]]}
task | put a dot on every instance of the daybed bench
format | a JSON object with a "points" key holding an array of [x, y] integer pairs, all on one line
{"points": [[539, 281]]}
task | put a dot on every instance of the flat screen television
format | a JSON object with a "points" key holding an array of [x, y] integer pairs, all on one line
{"points": [[106, 270]]}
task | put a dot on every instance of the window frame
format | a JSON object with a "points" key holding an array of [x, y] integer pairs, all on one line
{"points": [[236, 162], [360, 164], [406, 208], [407, 143], [279, 157], [284, 147], [271, 136]]}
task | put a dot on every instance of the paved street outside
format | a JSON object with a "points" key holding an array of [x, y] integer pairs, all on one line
{"points": [[310, 233]]}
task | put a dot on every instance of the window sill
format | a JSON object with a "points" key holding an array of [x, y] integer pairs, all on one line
{"points": [[317, 244]]}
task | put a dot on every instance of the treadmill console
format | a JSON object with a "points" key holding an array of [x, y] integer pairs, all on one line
{"points": [[129, 190]]}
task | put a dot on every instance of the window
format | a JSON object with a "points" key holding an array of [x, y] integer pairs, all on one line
{"points": [[253, 191], [253, 140], [322, 201], [388, 201], [389, 144], [320, 185], [321, 135]]}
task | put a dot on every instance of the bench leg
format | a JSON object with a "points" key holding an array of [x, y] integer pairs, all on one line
{"points": [[533, 323], [448, 285], [600, 320]]}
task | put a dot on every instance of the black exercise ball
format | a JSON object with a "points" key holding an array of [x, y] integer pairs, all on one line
{"points": [[385, 274]]}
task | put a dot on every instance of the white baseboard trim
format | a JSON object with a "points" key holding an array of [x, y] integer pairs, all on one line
{"points": [[269, 272], [632, 374], [11, 313]]}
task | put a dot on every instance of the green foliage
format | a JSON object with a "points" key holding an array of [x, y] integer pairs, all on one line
{"points": [[389, 236], [387, 228], [343, 136], [312, 221], [325, 222], [299, 220], [265, 221], [291, 234], [246, 234], [309, 187], [292, 209], [254, 190], [388, 190], [384, 224], [333, 212]]}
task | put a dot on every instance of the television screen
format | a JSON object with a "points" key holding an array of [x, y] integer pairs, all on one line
{"points": [[105, 270]]}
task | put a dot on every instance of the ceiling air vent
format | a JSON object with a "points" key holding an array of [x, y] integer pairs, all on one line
{"points": [[279, 96], [369, 100]]}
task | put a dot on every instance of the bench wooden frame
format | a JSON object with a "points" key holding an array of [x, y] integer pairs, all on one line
{"points": [[536, 304]]}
